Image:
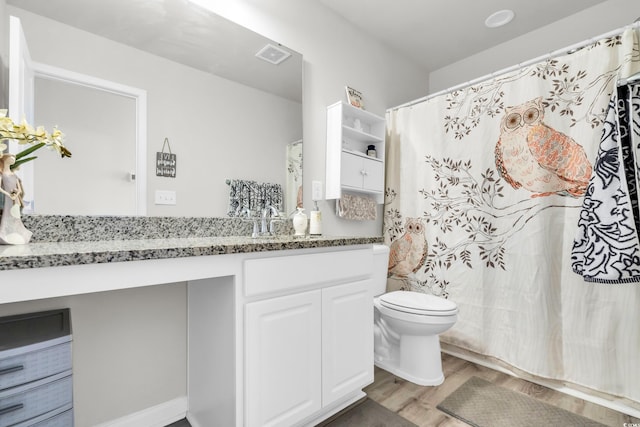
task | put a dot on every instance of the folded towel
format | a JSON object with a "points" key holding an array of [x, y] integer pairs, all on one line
{"points": [[607, 246], [356, 207]]}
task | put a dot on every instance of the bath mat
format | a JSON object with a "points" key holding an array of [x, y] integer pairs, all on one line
{"points": [[483, 404], [367, 413]]}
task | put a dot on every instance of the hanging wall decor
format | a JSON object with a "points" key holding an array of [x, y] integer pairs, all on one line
{"points": [[166, 161]]}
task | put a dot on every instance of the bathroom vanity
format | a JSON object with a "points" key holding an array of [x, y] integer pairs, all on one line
{"points": [[279, 330]]}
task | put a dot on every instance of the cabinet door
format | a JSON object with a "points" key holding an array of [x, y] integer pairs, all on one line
{"points": [[351, 170], [347, 339], [283, 359], [373, 175]]}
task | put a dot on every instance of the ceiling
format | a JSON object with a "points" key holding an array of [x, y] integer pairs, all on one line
{"points": [[436, 33], [182, 32], [431, 33]]}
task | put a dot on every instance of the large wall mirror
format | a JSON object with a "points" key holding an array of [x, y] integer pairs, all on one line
{"points": [[226, 113]]}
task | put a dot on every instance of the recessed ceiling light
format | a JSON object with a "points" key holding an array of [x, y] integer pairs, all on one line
{"points": [[500, 18]]}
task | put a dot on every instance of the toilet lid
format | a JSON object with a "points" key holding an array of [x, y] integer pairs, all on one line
{"points": [[418, 303]]}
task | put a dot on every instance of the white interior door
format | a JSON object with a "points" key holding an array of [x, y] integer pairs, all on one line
{"points": [[100, 131], [105, 127]]}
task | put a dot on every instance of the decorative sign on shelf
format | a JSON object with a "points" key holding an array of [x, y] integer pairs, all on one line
{"points": [[355, 98], [166, 161]]}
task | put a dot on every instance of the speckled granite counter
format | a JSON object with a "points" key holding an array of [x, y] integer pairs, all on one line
{"points": [[68, 240], [47, 254]]}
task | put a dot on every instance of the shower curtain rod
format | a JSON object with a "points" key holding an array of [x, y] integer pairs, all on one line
{"points": [[629, 79], [552, 54]]}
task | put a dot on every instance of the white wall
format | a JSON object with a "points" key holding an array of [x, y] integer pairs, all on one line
{"points": [[218, 128], [585, 25], [335, 55]]}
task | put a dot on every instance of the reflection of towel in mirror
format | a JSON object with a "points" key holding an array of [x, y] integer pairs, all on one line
{"points": [[351, 206], [253, 195], [607, 246]]}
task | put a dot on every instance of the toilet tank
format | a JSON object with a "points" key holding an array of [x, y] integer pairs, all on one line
{"points": [[380, 267]]}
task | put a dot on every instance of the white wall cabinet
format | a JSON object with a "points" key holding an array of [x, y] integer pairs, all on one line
{"points": [[359, 173], [350, 131]]}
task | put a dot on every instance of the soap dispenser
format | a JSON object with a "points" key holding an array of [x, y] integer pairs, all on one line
{"points": [[300, 222], [315, 223]]}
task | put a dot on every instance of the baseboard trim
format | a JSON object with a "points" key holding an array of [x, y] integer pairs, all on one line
{"points": [[156, 416]]}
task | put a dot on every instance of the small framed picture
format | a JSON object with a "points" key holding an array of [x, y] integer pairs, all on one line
{"points": [[354, 98]]}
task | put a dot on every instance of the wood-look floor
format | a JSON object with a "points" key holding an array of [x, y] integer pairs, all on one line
{"points": [[418, 404]]}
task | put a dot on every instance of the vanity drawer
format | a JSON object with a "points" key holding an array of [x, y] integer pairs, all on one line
{"points": [[279, 273], [35, 364], [42, 398]]}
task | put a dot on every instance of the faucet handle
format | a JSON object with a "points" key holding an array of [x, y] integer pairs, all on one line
{"points": [[272, 222], [274, 211]]}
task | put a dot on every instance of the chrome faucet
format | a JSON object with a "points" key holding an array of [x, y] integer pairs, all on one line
{"points": [[255, 232], [268, 213]]}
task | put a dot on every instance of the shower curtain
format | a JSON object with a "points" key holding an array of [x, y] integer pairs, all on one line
{"points": [[484, 191]]}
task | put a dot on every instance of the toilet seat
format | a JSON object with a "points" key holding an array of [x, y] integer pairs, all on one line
{"points": [[418, 303]]}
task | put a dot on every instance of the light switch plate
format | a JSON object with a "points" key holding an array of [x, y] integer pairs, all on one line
{"points": [[316, 190], [165, 197]]}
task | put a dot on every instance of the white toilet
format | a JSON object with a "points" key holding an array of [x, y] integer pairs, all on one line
{"points": [[406, 328]]}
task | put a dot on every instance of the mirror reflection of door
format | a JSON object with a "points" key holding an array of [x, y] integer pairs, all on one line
{"points": [[100, 131], [294, 177], [21, 76]]}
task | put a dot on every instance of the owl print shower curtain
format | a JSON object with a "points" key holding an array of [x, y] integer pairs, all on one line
{"points": [[484, 191]]}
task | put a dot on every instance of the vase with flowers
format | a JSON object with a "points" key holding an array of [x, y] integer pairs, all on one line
{"points": [[12, 230]]}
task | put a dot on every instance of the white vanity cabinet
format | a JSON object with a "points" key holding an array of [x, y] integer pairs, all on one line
{"points": [[347, 339], [309, 337], [283, 359], [350, 131], [275, 336]]}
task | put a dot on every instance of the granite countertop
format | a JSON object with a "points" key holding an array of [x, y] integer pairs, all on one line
{"points": [[52, 254], [62, 240]]}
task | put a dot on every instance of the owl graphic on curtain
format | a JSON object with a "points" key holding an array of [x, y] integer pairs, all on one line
{"points": [[408, 252], [538, 158]]}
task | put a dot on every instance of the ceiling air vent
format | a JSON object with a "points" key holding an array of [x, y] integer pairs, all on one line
{"points": [[273, 54]]}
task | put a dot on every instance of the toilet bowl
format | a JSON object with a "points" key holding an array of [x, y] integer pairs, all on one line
{"points": [[406, 328]]}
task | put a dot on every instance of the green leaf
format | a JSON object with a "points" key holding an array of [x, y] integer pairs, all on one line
{"points": [[28, 151], [21, 161]]}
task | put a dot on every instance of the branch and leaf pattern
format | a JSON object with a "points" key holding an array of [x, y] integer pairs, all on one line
{"points": [[467, 106], [472, 216], [462, 205]]}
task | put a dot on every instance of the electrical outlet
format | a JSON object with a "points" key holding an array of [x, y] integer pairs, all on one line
{"points": [[316, 190], [165, 197]]}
